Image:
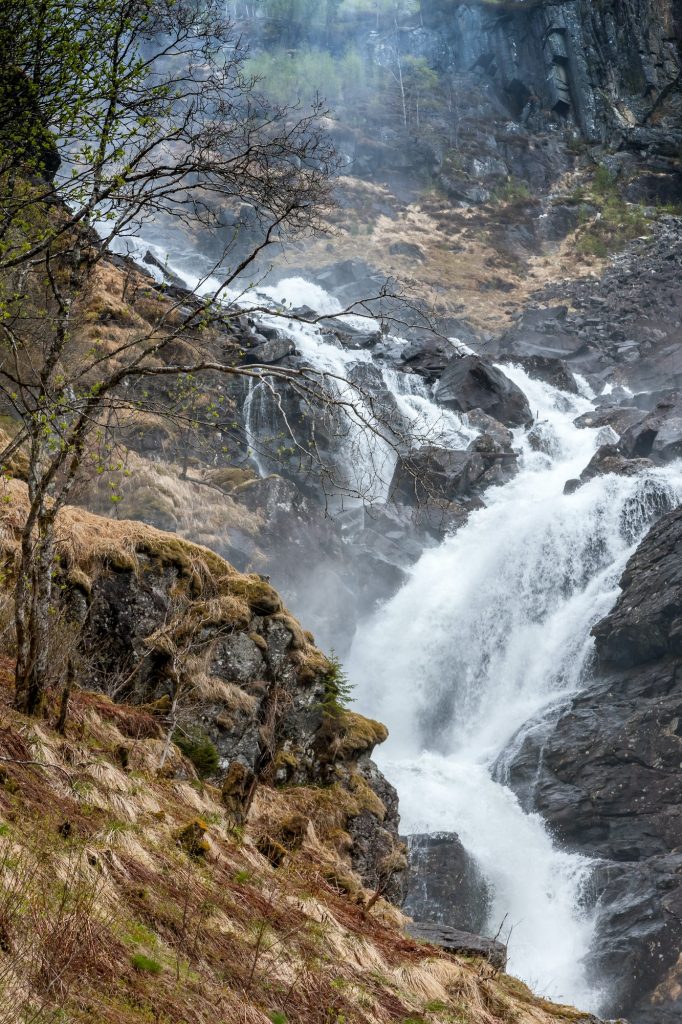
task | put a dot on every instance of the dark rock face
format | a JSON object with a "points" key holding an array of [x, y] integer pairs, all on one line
{"points": [[464, 943], [469, 383], [435, 473], [657, 436], [613, 67], [444, 885], [428, 357], [621, 799]]}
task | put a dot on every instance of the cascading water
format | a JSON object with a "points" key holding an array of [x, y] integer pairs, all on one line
{"points": [[493, 627], [491, 631]]}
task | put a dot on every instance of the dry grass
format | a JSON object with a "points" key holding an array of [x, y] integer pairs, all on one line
{"points": [[466, 270], [168, 936], [156, 493]]}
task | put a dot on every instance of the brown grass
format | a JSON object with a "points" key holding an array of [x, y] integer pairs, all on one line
{"points": [[230, 938]]}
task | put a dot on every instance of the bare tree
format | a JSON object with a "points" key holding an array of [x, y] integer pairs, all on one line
{"points": [[114, 113]]}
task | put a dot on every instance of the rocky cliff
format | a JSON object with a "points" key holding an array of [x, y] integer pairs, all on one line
{"points": [[619, 800]]}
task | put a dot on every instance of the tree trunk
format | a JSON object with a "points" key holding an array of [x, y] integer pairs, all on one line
{"points": [[33, 598]]}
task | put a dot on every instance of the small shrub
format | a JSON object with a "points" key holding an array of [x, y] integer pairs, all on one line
{"points": [[513, 191], [145, 964], [278, 1018], [338, 689], [192, 838], [604, 182], [200, 750]]}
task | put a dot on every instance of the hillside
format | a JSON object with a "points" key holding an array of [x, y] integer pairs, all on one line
{"points": [[137, 889]]}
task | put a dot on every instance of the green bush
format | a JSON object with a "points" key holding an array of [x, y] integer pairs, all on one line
{"points": [[145, 964], [197, 746], [338, 690], [604, 182]]}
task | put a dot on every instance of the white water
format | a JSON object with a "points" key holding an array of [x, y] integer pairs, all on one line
{"points": [[492, 627], [368, 459]]}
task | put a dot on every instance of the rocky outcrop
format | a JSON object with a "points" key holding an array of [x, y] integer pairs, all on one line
{"points": [[454, 941], [225, 671], [620, 799], [470, 383], [444, 884], [613, 68], [610, 459], [623, 326]]}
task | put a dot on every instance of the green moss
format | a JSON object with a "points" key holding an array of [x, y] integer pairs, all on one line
{"points": [[145, 964], [357, 734], [200, 750], [192, 838], [617, 224], [259, 595]]}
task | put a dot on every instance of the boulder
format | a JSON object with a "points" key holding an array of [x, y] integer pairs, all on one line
{"points": [[469, 383], [445, 885], [486, 424], [433, 473], [610, 459], [272, 351], [428, 356], [657, 436], [619, 418], [463, 943]]}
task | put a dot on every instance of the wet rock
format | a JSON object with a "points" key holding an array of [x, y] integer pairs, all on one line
{"points": [[445, 885], [657, 436], [433, 473], [646, 623], [618, 418], [464, 943], [269, 352], [543, 438], [488, 425], [168, 276], [603, 769], [428, 356], [469, 383], [610, 459]]}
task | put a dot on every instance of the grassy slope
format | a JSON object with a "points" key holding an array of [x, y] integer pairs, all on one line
{"points": [[127, 897]]}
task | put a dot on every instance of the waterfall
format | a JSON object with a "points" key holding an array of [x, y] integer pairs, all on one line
{"points": [[490, 632], [492, 628]]}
